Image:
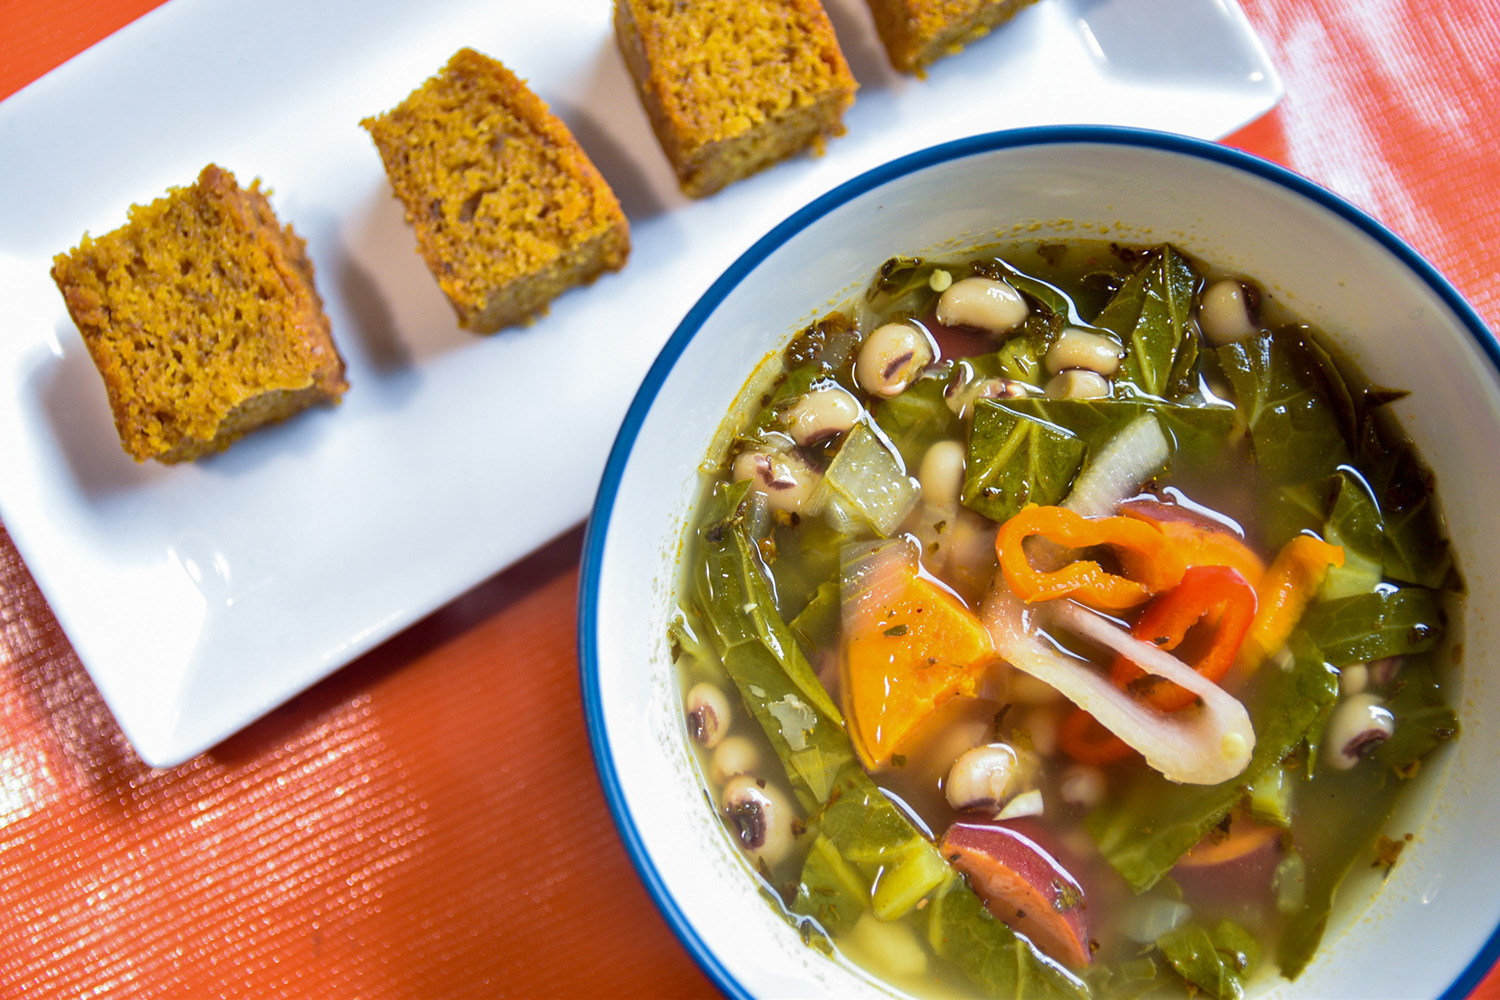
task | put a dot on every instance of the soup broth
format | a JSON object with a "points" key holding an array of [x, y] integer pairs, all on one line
{"points": [[1062, 620]]}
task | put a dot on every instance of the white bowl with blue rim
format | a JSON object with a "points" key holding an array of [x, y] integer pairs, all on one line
{"points": [[1434, 928]]}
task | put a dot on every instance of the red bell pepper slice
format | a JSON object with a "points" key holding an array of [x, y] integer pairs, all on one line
{"points": [[1215, 595]]}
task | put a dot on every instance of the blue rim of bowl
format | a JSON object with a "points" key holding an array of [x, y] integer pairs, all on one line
{"points": [[1046, 135]]}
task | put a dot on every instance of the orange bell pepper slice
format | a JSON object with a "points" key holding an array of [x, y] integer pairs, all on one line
{"points": [[1284, 593], [1216, 596], [1199, 544], [1149, 559], [905, 655]]}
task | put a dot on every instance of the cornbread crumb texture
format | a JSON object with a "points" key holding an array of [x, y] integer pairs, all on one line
{"points": [[916, 33], [733, 86], [508, 210], [201, 316]]}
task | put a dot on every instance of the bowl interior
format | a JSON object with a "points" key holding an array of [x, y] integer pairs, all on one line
{"points": [[1394, 317]]}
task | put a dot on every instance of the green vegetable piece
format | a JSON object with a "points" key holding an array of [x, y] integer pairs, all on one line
{"points": [[1414, 549], [1216, 963], [1151, 315], [1198, 433], [916, 418], [1424, 720], [1353, 523], [1145, 834], [831, 891], [1270, 798], [761, 655], [1370, 626], [817, 625], [1001, 964], [1294, 429], [901, 278], [1014, 459], [867, 482], [904, 883]]}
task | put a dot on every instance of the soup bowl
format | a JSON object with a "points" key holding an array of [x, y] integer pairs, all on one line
{"points": [[1433, 929]]}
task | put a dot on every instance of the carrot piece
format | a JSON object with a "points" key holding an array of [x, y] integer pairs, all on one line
{"points": [[1082, 737], [1245, 836], [1284, 594], [907, 652]]}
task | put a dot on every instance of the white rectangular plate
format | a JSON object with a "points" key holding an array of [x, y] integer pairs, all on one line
{"points": [[201, 596]]}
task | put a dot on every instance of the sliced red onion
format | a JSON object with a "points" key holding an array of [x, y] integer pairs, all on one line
{"points": [[1198, 745]]}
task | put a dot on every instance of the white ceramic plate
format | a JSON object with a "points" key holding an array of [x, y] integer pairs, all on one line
{"points": [[1434, 928], [200, 597]]}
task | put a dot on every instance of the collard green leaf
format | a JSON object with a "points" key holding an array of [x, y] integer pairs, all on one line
{"points": [[1354, 523], [901, 279], [1198, 433], [830, 891], [1214, 962], [1414, 549], [1001, 964], [1014, 459], [1294, 429], [1151, 316], [917, 418], [1424, 720], [1386, 622], [761, 655], [817, 625], [1147, 832]]}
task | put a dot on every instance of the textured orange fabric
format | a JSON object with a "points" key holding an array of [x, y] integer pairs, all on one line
{"points": [[427, 823]]}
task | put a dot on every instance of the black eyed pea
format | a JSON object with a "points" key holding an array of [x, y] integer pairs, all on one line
{"points": [[1357, 726], [821, 415], [1224, 312], [981, 777], [735, 755], [707, 713], [983, 303], [761, 817], [891, 357], [961, 395], [1082, 785], [1076, 347], [786, 480], [942, 472], [1077, 383]]}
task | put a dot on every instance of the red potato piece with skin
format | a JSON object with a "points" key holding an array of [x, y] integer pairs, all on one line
{"points": [[1023, 886]]}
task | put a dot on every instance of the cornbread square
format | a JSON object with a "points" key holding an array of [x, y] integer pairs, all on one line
{"points": [[508, 209], [733, 86], [201, 316], [916, 33]]}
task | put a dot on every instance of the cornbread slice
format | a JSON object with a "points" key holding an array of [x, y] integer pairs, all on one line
{"points": [[916, 33], [201, 316], [733, 86], [508, 209]]}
